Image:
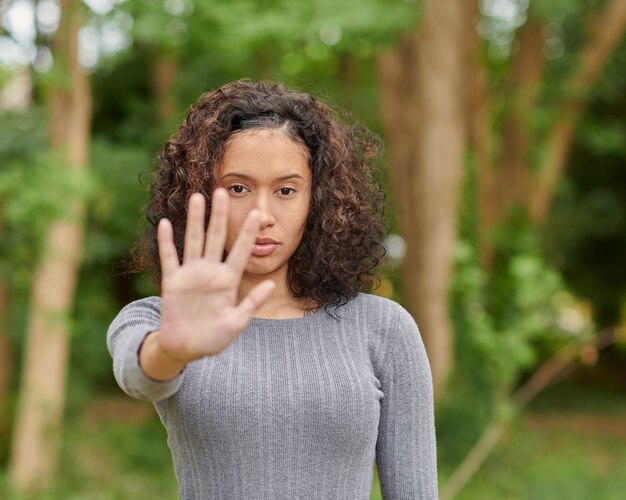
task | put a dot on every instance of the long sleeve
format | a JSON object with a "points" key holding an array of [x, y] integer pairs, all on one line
{"points": [[406, 452], [124, 338]]}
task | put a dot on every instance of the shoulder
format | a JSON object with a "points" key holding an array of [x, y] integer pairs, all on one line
{"points": [[385, 312], [385, 322], [395, 343], [145, 310], [147, 305]]}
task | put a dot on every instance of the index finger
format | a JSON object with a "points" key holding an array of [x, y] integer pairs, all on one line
{"points": [[242, 248]]}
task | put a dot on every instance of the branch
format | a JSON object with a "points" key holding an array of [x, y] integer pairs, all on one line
{"points": [[605, 33], [494, 431]]}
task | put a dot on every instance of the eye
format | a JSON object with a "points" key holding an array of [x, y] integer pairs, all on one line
{"points": [[237, 189], [287, 191]]}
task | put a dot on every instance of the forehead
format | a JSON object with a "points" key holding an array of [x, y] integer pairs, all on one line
{"points": [[264, 152]]}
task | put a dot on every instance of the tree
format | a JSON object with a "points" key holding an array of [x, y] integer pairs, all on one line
{"points": [[38, 421], [6, 355], [511, 178], [423, 110], [437, 89]]}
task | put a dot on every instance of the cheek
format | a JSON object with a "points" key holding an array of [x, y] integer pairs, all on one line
{"points": [[299, 222]]}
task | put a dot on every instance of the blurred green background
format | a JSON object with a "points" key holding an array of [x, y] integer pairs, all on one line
{"points": [[539, 84]]}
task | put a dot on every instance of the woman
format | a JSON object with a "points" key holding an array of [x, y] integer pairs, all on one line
{"points": [[273, 372]]}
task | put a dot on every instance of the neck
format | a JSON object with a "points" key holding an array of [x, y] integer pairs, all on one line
{"points": [[280, 304]]}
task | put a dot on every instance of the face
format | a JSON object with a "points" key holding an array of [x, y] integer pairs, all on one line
{"points": [[267, 170]]}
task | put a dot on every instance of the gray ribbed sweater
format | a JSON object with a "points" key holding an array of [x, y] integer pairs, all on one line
{"points": [[295, 408]]}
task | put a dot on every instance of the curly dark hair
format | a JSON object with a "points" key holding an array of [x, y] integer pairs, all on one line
{"points": [[342, 241]]}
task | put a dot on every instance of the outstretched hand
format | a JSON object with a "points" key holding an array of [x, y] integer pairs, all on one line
{"points": [[200, 315]]}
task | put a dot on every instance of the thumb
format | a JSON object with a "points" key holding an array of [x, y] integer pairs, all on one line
{"points": [[255, 298]]}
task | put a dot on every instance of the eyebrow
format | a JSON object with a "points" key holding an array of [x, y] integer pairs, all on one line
{"points": [[281, 178]]}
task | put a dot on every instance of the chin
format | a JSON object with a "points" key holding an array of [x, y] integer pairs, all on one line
{"points": [[260, 267]]}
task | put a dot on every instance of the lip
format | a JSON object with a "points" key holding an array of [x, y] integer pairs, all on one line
{"points": [[263, 249], [265, 241]]}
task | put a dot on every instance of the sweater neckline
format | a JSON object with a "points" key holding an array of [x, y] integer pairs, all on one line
{"points": [[289, 321]]}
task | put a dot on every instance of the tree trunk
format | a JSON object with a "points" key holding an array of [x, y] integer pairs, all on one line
{"points": [[523, 84], [348, 73], [423, 112], [500, 187], [163, 80], [513, 180], [480, 134], [6, 360], [6, 350], [42, 393]]}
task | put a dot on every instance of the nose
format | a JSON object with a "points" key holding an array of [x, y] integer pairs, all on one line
{"points": [[263, 205]]}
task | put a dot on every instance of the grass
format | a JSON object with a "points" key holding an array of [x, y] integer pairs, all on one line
{"points": [[116, 449], [569, 444]]}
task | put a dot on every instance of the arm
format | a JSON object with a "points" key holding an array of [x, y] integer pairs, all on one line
{"points": [[197, 314], [156, 362], [406, 453], [131, 332]]}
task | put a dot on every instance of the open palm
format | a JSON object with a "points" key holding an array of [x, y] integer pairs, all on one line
{"points": [[200, 315]]}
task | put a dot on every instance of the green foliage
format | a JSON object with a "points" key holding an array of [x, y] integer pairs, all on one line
{"points": [[109, 458], [36, 189], [569, 445], [585, 233], [117, 211], [38, 193], [509, 320], [505, 321], [221, 41], [22, 145], [35, 183], [112, 225], [241, 26], [554, 10]]}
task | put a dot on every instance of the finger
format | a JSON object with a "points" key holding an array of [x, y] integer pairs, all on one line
{"points": [[194, 230], [255, 298], [167, 250], [242, 248], [216, 232]]}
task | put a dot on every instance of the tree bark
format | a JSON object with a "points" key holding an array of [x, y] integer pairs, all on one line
{"points": [[42, 393], [163, 81], [6, 351], [423, 112], [523, 84], [348, 72], [6, 359], [509, 182], [480, 135]]}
